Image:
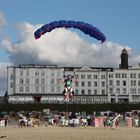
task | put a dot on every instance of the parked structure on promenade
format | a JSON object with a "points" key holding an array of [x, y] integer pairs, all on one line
{"points": [[42, 83]]}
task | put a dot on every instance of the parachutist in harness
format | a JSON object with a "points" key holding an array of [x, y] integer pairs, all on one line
{"points": [[68, 91]]}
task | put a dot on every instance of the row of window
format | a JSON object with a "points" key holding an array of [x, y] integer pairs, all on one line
{"points": [[82, 83], [89, 76], [38, 73], [89, 84], [52, 90], [118, 83], [83, 76], [82, 91], [124, 91], [38, 81], [39, 89], [124, 83], [103, 92], [103, 76]]}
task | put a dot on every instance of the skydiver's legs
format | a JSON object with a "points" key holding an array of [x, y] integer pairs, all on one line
{"points": [[71, 93], [66, 94], [65, 91]]}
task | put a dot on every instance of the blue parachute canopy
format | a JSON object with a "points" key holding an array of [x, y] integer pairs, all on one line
{"points": [[84, 27]]}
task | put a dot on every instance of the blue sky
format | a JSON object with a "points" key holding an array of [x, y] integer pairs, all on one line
{"points": [[118, 19]]}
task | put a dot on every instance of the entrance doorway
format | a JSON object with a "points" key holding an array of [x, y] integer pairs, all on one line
{"points": [[37, 99]]}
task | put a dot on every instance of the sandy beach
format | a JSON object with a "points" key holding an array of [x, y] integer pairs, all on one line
{"points": [[69, 133]]}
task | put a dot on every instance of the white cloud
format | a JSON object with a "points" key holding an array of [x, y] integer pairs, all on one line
{"points": [[2, 20], [3, 77], [62, 47]]}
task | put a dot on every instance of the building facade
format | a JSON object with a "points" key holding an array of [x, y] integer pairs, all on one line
{"points": [[42, 83]]}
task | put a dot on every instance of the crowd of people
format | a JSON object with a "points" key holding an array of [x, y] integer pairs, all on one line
{"points": [[70, 119]]}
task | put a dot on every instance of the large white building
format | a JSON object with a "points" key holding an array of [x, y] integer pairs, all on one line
{"points": [[43, 83]]}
